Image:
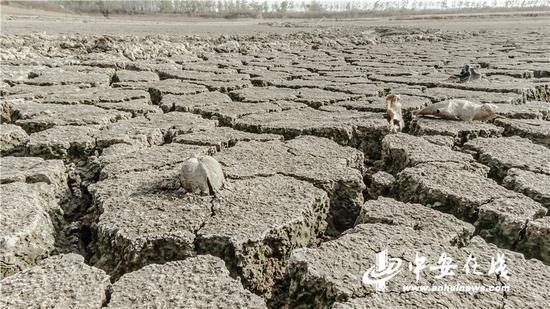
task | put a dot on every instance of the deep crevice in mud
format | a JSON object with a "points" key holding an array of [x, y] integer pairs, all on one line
{"points": [[224, 249], [108, 294], [521, 236], [76, 234]]}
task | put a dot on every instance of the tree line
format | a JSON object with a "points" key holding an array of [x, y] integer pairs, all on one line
{"points": [[252, 8]]}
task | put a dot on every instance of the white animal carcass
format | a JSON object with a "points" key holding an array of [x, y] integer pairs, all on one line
{"points": [[458, 109]]}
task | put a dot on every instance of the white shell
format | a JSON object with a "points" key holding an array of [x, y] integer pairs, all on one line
{"points": [[202, 174]]}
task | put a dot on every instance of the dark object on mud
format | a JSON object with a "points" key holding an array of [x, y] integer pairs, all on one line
{"points": [[468, 73], [105, 13]]}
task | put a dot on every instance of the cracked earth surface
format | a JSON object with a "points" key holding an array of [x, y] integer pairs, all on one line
{"points": [[95, 128]]}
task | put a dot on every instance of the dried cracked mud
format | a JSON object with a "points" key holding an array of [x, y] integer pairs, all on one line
{"points": [[95, 129]]}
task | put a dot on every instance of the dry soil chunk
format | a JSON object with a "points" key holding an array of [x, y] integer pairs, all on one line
{"points": [[318, 97], [135, 76], [534, 185], [26, 229], [145, 219], [507, 85], [32, 92], [11, 137], [442, 94], [63, 141], [154, 65], [265, 78], [32, 169], [504, 153], [34, 117], [524, 277], [223, 86], [529, 110], [213, 67], [381, 184], [440, 140], [536, 130], [500, 213], [152, 129], [453, 187], [158, 89], [525, 274], [61, 281], [198, 282], [94, 96], [134, 101], [419, 217], [502, 221], [369, 90], [461, 131], [222, 137], [303, 83], [103, 59], [258, 94], [135, 107], [95, 77], [333, 168], [536, 243], [333, 271], [15, 73], [360, 130], [402, 150], [204, 75], [143, 186], [227, 114], [258, 221], [187, 103]]}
